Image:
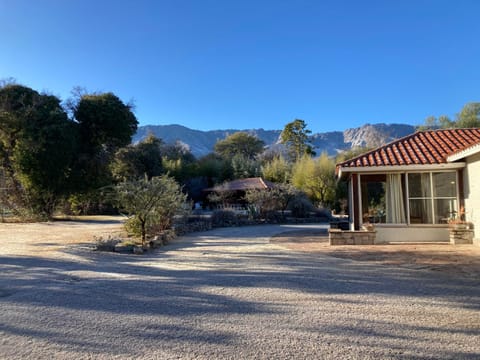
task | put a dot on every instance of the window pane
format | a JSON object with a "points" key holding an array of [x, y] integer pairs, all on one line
{"points": [[419, 185], [444, 209], [445, 184], [421, 211]]}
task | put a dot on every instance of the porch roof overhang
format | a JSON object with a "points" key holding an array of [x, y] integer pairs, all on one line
{"points": [[473, 150], [422, 151], [344, 171]]}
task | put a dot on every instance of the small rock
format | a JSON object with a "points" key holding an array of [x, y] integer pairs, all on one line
{"points": [[137, 250]]}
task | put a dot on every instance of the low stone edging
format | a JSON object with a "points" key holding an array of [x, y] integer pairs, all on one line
{"points": [[342, 237], [204, 223]]}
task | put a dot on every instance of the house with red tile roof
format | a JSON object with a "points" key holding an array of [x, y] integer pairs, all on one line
{"points": [[256, 183], [413, 187], [233, 192]]}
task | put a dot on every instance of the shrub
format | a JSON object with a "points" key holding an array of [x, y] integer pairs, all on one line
{"points": [[222, 218], [106, 244], [300, 206]]}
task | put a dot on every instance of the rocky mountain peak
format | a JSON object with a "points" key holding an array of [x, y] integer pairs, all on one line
{"points": [[202, 142]]}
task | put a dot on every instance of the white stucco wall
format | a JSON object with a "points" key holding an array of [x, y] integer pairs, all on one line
{"points": [[395, 233], [471, 190]]}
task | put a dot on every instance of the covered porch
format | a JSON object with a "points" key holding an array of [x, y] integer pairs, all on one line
{"points": [[410, 190], [413, 206]]}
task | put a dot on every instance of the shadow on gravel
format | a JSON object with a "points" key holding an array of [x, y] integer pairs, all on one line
{"points": [[382, 337], [163, 289], [160, 284]]}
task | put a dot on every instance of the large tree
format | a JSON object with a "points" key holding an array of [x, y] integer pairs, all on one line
{"points": [[295, 136], [105, 121], [214, 169], [37, 144], [244, 167], [139, 160], [105, 124], [179, 162], [240, 143]]}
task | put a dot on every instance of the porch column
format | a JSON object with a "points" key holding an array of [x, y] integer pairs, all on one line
{"points": [[355, 203]]}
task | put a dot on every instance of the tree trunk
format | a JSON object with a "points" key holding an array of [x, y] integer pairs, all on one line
{"points": [[144, 235]]}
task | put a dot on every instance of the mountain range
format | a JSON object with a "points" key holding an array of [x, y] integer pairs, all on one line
{"points": [[202, 143]]}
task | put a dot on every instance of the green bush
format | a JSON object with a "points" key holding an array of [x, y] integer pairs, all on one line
{"points": [[221, 218]]}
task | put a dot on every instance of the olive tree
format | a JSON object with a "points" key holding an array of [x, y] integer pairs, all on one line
{"points": [[150, 203]]}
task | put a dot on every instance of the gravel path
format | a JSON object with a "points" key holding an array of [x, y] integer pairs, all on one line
{"points": [[230, 294]]}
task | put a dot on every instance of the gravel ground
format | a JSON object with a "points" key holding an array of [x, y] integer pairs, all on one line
{"points": [[230, 294], [456, 260]]}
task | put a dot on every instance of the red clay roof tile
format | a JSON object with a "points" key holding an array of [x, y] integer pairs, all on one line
{"points": [[421, 148]]}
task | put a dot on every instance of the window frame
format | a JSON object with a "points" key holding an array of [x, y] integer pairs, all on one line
{"points": [[407, 197], [431, 198]]}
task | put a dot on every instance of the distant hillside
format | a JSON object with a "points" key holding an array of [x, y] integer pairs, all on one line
{"points": [[202, 142]]}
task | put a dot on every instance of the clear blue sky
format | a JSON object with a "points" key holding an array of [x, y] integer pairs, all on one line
{"points": [[222, 64]]}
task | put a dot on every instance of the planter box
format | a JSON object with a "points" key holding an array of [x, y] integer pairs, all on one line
{"points": [[461, 233], [461, 236]]}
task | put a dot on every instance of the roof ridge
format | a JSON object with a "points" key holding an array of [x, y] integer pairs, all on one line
{"points": [[263, 182]]}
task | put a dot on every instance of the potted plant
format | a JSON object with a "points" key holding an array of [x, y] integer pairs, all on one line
{"points": [[457, 220], [368, 227]]}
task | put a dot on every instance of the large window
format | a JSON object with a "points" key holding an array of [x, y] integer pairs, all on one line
{"points": [[429, 198], [432, 197]]}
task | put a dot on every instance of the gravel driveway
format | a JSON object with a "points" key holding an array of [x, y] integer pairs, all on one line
{"points": [[230, 294]]}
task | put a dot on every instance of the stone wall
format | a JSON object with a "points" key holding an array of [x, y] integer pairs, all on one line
{"points": [[227, 218], [340, 237]]}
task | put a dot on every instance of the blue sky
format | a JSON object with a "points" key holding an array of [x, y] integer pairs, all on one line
{"points": [[223, 64]]}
